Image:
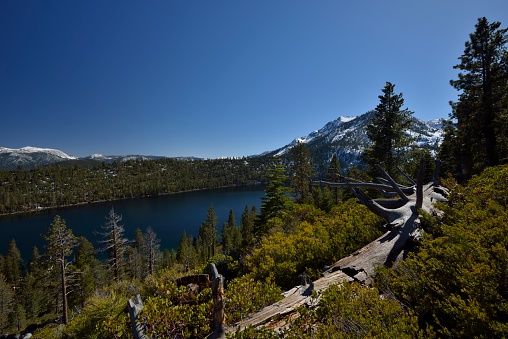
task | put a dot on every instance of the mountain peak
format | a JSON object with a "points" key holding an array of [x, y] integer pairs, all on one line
{"points": [[346, 136]]}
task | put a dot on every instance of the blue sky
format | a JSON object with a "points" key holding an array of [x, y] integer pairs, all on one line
{"points": [[218, 78]]}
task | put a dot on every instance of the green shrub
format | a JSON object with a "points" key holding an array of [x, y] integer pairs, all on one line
{"points": [[244, 295], [177, 313], [317, 240], [347, 311]]}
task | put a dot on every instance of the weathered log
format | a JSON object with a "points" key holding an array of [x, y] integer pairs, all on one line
{"points": [[219, 316], [135, 305]]}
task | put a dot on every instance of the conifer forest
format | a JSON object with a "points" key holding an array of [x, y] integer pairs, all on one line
{"points": [[449, 279]]}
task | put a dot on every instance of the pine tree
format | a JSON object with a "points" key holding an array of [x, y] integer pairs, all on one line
{"points": [[168, 258], [481, 113], [208, 234], [6, 301], [138, 255], [13, 266], [276, 199], [60, 244], [33, 293], [450, 150], [18, 317], [85, 264], [387, 129], [231, 236], [301, 173], [247, 228], [186, 253]]}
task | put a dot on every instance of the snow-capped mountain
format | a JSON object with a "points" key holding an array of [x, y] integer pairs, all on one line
{"points": [[30, 157], [347, 137], [11, 158]]}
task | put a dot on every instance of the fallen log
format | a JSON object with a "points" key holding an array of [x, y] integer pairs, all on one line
{"points": [[403, 227]]}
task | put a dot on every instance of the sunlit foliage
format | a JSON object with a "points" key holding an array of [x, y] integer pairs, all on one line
{"points": [[308, 240], [458, 281]]}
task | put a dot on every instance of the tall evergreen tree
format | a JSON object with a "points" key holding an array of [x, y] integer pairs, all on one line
{"points": [[481, 112], [6, 301], [86, 265], [247, 227], [450, 150], [276, 199], [186, 252], [387, 129], [13, 266], [60, 244], [208, 234], [231, 236], [137, 255], [301, 173], [33, 293], [18, 317]]}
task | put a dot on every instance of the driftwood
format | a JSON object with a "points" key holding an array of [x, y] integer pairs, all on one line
{"points": [[403, 226]]}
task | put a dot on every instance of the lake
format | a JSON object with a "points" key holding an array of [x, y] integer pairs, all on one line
{"points": [[168, 215]]}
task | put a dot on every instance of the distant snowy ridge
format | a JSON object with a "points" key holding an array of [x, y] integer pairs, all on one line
{"points": [[31, 150], [29, 157]]}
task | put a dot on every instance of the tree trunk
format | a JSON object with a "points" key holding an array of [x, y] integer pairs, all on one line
{"points": [[64, 293]]}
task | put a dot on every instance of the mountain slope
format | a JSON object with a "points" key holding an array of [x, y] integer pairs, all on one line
{"points": [[29, 157], [347, 137]]}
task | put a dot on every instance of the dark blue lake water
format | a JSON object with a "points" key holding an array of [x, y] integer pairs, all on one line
{"points": [[168, 216]]}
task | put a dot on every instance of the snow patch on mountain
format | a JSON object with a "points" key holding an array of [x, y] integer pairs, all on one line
{"points": [[347, 119]]}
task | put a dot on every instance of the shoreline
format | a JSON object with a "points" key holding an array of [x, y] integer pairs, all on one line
{"points": [[41, 209]]}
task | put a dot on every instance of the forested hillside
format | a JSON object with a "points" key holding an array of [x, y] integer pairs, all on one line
{"points": [[56, 185]]}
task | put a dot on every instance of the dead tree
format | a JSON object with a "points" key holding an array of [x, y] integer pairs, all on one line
{"points": [[402, 219], [401, 213], [114, 242]]}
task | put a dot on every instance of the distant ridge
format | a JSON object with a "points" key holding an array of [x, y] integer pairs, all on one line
{"points": [[30, 157], [345, 136]]}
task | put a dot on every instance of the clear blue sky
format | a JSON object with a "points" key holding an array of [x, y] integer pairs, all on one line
{"points": [[218, 78]]}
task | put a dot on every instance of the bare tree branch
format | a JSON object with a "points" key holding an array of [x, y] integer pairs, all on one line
{"points": [[392, 183]]}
